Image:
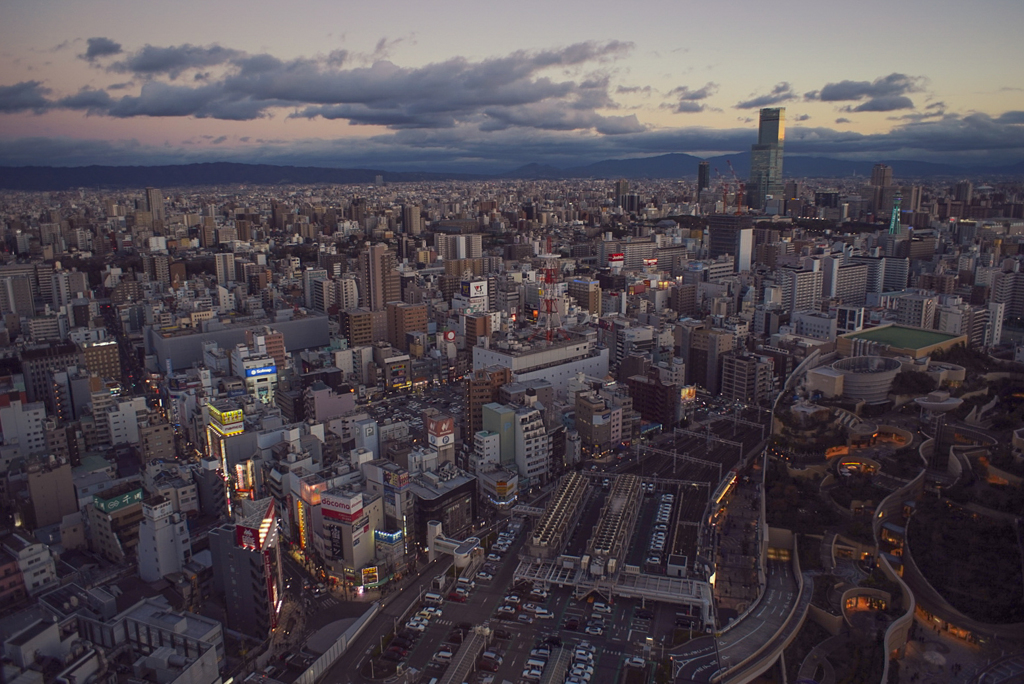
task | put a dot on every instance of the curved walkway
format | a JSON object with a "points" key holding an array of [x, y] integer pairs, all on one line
{"points": [[819, 656]]}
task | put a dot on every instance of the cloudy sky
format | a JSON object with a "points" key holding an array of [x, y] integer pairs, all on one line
{"points": [[485, 86]]}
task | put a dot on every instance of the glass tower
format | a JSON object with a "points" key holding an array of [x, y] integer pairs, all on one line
{"points": [[766, 158]]}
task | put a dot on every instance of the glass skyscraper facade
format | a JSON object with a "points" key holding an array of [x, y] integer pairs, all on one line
{"points": [[766, 158]]}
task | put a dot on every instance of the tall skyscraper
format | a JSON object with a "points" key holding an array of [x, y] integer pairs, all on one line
{"points": [[411, 222], [766, 158], [703, 177], [881, 175], [155, 204]]}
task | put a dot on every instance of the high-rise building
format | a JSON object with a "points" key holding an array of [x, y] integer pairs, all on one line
{"points": [[482, 388], [801, 288], [732, 235], [308, 277], [155, 204], [404, 318], [766, 158], [703, 177], [164, 542], [746, 377], [379, 282], [707, 347], [38, 365], [224, 263], [103, 359], [247, 568], [881, 176], [411, 221]]}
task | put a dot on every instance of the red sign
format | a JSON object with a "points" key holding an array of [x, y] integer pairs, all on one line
{"points": [[247, 537], [439, 427]]}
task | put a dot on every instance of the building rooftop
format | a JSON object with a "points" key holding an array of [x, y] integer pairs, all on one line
{"points": [[902, 337]]}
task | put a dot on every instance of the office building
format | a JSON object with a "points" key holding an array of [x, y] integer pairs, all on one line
{"points": [[412, 224], [247, 568], [732, 235], [164, 543], [402, 319], [482, 387], [51, 494], [766, 158], [309, 276], [379, 282], [103, 359], [114, 518], [703, 177], [224, 265], [801, 288], [746, 378], [155, 204], [707, 347], [38, 365]]}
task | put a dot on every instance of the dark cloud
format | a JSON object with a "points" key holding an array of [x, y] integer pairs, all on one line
{"points": [[172, 61], [884, 86], [688, 107], [883, 103], [218, 140], [93, 102], [782, 92], [801, 117], [630, 90], [100, 47], [842, 120], [1014, 117], [24, 96], [686, 93]]}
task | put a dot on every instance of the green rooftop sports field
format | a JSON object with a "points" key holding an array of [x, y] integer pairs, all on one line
{"points": [[901, 337]]}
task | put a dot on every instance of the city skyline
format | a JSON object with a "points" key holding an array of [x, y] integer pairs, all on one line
{"points": [[105, 84]]}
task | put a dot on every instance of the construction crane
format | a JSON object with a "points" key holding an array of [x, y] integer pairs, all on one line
{"points": [[741, 188]]}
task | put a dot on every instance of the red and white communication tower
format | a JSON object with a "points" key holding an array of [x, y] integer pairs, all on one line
{"points": [[549, 292]]}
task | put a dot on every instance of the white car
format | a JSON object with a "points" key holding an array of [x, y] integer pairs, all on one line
{"points": [[595, 631], [416, 626], [544, 614], [512, 598], [532, 674], [484, 576], [493, 557], [636, 661], [603, 608], [585, 669]]}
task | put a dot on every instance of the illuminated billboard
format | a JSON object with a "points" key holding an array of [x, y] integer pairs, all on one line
{"points": [[687, 394], [255, 372], [370, 575]]}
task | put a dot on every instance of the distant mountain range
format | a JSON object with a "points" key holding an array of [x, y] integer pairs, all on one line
{"points": [[685, 166], [662, 166]]}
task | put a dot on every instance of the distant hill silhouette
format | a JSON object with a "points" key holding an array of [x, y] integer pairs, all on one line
{"points": [[660, 166]]}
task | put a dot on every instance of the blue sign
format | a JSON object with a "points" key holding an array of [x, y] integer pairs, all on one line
{"points": [[266, 370]]}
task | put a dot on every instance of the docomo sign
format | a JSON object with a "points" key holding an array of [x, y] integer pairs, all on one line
{"points": [[345, 509]]}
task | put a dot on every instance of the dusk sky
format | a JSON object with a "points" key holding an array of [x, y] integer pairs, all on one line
{"points": [[480, 86]]}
